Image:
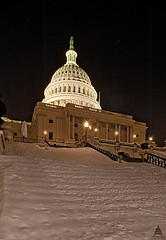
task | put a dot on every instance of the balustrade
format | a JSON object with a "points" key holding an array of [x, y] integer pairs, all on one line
{"points": [[156, 160]]}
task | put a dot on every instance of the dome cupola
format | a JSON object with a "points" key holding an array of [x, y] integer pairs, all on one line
{"points": [[71, 54], [71, 84]]}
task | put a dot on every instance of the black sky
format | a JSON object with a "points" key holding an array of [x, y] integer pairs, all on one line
{"points": [[120, 44]]}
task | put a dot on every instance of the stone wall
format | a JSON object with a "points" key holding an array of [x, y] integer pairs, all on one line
{"points": [[2, 142]]}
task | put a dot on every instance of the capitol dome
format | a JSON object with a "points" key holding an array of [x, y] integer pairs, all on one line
{"points": [[71, 84]]}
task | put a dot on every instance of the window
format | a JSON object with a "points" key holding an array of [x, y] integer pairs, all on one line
{"points": [[69, 89], [79, 90], [64, 88], [15, 134], [76, 125], [83, 90], [74, 89], [51, 135], [50, 121]]}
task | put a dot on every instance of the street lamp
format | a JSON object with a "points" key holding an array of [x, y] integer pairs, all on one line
{"points": [[45, 133], [134, 136], [95, 131], [150, 139], [86, 125], [116, 134]]}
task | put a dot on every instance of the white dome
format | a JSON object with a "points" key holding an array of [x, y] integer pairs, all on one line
{"points": [[71, 84], [71, 71]]}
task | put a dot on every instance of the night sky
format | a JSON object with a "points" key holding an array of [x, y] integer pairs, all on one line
{"points": [[120, 44]]}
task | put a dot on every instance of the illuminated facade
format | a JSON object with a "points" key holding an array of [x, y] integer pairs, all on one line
{"points": [[70, 100]]}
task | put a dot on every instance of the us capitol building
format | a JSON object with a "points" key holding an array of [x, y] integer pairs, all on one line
{"points": [[69, 101]]}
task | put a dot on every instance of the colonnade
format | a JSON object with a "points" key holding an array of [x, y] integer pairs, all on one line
{"points": [[117, 129]]}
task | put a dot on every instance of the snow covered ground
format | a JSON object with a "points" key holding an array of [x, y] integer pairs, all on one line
{"points": [[79, 194]]}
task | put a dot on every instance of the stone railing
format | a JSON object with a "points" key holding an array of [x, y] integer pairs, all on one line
{"points": [[28, 140], [156, 160]]}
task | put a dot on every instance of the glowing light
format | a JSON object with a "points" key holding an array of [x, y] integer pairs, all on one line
{"points": [[116, 133], [150, 139], [90, 127], [134, 136], [45, 132], [86, 124], [95, 129]]}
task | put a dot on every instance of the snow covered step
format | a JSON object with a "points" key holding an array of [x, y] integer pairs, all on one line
{"points": [[88, 198]]}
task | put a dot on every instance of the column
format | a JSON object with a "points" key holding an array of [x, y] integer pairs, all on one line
{"points": [[41, 126], [106, 131], [97, 134], [119, 132], [68, 126], [131, 134], [57, 128], [116, 129], [128, 132], [73, 122]]}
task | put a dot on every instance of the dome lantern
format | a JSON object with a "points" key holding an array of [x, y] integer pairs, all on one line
{"points": [[71, 54]]}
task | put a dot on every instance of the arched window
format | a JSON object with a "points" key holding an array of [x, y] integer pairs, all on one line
{"points": [[74, 89], [88, 92], [55, 90], [79, 90], [59, 89], [69, 88], [64, 88], [83, 90]]}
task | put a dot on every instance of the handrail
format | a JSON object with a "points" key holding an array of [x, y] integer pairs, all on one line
{"points": [[107, 153], [55, 145]]}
